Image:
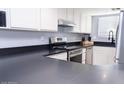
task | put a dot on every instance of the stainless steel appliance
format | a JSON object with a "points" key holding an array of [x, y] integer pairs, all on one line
{"points": [[74, 53], [65, 23], [2, 19], [54, 40], [120, 39]]}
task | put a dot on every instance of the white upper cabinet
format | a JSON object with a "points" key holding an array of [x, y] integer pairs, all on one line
{"points": [[70, 14], [73, 15], [83, 23], [89, 24], [44, 19], [77, 20], [66, 14], [62, 13], [24, 18], [86, 22], [48, 19]]}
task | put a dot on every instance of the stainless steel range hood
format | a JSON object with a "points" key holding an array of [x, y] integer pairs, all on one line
{"points": [[65, 23]]}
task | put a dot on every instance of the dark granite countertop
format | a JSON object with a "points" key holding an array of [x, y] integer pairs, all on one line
{"points": [[104, 44], [35, 68]]}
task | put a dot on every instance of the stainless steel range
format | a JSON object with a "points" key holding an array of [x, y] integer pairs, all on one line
{"points": [[74, 53]]}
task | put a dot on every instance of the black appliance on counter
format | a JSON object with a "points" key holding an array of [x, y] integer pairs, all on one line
{"points": [[88, 37], [74, 53], [2, 19]]}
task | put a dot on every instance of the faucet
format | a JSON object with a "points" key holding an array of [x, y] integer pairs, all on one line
{"points": [[112, 38]]}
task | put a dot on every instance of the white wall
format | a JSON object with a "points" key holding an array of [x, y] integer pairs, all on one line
{"points": [[28, 38]]}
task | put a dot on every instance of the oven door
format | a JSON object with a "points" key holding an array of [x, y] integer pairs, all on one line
{"points": [[75, 55]]}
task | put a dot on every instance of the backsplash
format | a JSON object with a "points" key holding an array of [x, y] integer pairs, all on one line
{"points": [[18, 38]]}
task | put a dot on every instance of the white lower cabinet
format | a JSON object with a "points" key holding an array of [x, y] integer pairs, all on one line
{"points": [[83, 55], [87, 55], [103, 55], [61, 56]]}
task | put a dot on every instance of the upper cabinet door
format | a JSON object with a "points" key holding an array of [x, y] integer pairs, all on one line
{"points": [[88, 24], [26, 18], [49, 19], [86, 21], [70, 14], [77, 20], [62, 13]]}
